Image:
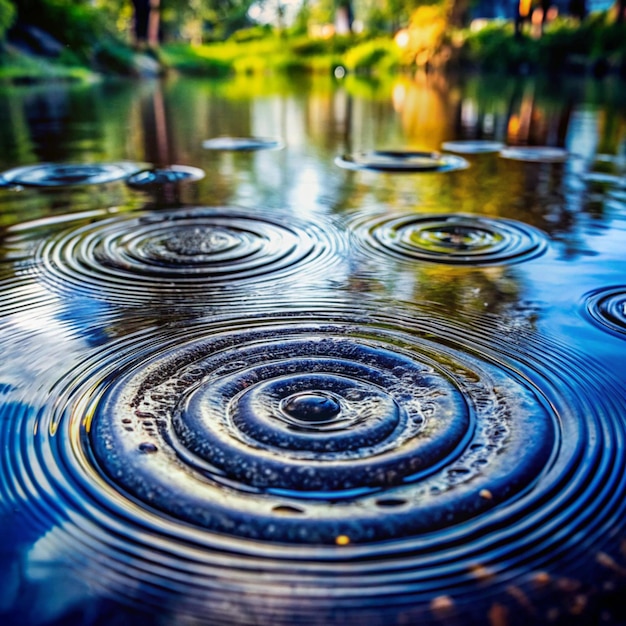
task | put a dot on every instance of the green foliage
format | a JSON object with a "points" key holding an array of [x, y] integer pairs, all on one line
{"points": [[113, 57], [378, 54], [565, 42], [78, 25], [253, 33], [307, 46], [7, 16], [19, 68], [94, 33], [495, 48], [561, 40], [282, 54], [196, 60]]}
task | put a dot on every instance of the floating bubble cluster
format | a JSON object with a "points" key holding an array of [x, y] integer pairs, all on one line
{"points": [[450, 238]]}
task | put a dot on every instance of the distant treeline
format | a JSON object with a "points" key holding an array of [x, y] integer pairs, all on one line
{"points": [[217, 37]]}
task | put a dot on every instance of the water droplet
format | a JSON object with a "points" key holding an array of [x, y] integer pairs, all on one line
{"points": [[453, 238], [311, 407]]}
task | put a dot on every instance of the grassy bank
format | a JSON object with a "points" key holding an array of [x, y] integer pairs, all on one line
{"points": [[283, 54]]}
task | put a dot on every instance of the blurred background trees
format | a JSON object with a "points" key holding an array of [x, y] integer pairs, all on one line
{"points": [[107, 33]]}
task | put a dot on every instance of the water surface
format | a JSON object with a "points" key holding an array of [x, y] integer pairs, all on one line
{"points": [[243, 384]]}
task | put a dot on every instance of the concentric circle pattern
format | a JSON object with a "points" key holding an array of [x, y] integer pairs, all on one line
{"points": [[158, 177], [401, 161], [420, 426], [476, 146], [295, 463], [537, 154], [455, 239], [242, 144], [607, 308], [67, 174], [184, 251]]}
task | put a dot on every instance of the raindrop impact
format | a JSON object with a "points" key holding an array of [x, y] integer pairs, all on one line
{"points": [[298, 459], [401, 161], [292, 414], [607, 308], [455, 239], [68, 174], [242, 144], [185, 251]]}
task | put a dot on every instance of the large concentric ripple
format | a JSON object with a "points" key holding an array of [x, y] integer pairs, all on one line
{"points": [[278, 468], [183, 253], [607, 308], [285, 419], [451, 238]]}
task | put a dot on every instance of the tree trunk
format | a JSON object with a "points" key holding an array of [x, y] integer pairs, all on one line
{"points": [[140, 22], [344, 16], [153, 23], [522, 12], [459, 13], [578, 8], [621, 9]]}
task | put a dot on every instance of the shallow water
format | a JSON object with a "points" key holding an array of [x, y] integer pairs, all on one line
{"points": [[295, 391]]}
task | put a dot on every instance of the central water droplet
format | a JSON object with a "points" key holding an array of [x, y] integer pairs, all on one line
{"points": [[311, 407]]}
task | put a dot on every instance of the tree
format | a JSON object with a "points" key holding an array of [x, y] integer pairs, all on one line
{"points": [[140, 19], [459, 12], [578, 8], [7, 16]]}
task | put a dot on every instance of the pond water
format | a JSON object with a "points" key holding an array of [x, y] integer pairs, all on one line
{"points": [[272, 354]]}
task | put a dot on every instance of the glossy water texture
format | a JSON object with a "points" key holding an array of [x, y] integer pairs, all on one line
{"points": [[247, 386]]}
